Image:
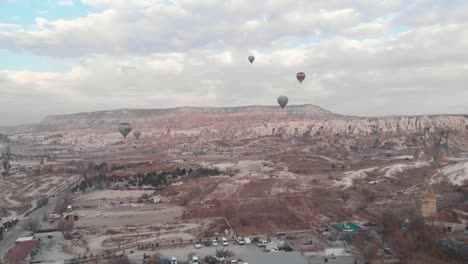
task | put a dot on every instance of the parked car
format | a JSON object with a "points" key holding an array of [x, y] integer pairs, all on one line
{"points": [[240, 240], [262, 243], [219, 259], [98, 214], [195, 260], [247, 240], [173, 260], [210, 260], [224, 241], [198, 244], [214, 243], [207, 243], [83, 214]]}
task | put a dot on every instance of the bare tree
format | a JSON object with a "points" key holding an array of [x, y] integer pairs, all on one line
{"points": [[224, 253], [31, 224], [368, 249], [43, 201], [64, 200], [66, 227], [387, 224], [155, 259], [344, 196]]}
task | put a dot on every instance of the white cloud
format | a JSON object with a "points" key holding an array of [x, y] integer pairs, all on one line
{"points": [[360, 57]]}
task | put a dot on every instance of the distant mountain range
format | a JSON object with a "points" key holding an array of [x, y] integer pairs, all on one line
{"points": [[255, 121]]}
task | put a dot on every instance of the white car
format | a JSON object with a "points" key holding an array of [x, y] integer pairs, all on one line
{"points": [[219, 259], [240, 240], [214, 243], [98, 214], [224, 241], [198, 244], [83, 214], [195, 260], [262, 243], [173, 260]]}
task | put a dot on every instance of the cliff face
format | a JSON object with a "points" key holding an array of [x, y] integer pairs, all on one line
{"points": [[306, 121]]}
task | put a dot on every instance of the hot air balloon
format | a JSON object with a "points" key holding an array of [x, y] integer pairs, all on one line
{"points": [[300, 76], [124, 129], [251, 58], [283, 101], [137, 134]]}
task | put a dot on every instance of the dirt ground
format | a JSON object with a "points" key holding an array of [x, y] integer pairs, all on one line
{"points": [[19, 192]]}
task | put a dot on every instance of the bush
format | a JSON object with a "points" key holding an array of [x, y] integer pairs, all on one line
{"points": [[224, 253], [43, 201], [31, 224]]}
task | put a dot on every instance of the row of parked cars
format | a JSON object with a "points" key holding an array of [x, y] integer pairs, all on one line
{"points": [[239, 240], [214, 243], [217, 260]]}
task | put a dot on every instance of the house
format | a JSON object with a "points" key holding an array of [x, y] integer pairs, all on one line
{"points": [[22, 252], [344, 231]]}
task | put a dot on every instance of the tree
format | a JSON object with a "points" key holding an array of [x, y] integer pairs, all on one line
{"points": [[66, 227], [155, 259], [43, 201], [31, 224], [44, 217], [387, 224], [344, 196], [62, 203], [368, 249], [224, 253]]}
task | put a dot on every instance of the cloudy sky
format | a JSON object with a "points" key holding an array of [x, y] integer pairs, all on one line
{"points": [[361, 57]]}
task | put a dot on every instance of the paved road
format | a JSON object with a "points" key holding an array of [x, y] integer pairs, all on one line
{"points": [[10, 237]]}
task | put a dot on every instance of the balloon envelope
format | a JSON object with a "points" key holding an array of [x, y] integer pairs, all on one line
{"points": [[137, 134], [251, 58], [300, 76], [283, 101], [124, 129]]}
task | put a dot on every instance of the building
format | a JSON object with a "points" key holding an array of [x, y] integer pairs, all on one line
{"points": [[344, 231], [448, 226], [428, 202], [22, 252]]}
